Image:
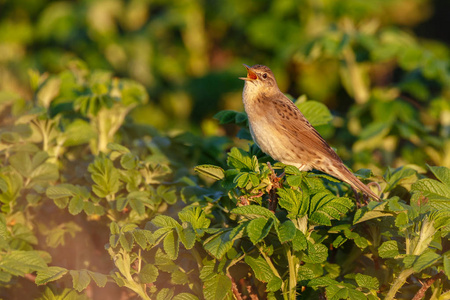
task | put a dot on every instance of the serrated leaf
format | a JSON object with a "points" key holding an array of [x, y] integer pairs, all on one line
{"points": [[214, 172], [49, 274], [299, 242], [99, 279], [366, 281], [165, 294], [185, 296], [171, 245], [446, 263], [366, 213], [80, 279], [239, 159], [441, 173], [437, 193], [388, 249], [195, 216], [316, 253], [286, 231], [260, 267], [325, 207], [293, 201], [128, 161], [178, 277], [258, 229], [253, 211], [19, 262], [217, 288], [219, 244], [164, 221], [148, 274], [76, 205], [315, 112], [425, 260]]}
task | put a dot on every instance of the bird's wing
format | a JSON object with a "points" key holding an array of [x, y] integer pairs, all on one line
{"points": [[290, 121]]}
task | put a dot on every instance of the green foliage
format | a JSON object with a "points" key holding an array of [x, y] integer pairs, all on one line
{"points": [[92, 201]]}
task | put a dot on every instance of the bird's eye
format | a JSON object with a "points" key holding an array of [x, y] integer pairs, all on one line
{"points": [[264, 75]]}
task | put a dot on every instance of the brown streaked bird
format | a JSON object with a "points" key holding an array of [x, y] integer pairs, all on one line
{"points": [[280, 129]]}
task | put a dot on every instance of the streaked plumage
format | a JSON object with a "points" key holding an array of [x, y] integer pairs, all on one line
{"points": [[280, 129]]}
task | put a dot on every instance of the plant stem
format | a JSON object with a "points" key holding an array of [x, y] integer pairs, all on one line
{"points": [[292, 273], [398, 283]]}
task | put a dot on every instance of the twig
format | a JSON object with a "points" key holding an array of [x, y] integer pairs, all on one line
{"points": [[276, 184], [234, 288], [421, 293]]}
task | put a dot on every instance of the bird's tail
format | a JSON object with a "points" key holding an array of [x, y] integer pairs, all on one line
{"points": [[341, 172]]}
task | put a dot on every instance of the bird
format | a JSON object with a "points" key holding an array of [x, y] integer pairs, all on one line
{"points": [[280, 130]]}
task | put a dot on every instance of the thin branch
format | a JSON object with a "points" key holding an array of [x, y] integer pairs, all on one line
{"points": [[234, 288], [421, 293]]}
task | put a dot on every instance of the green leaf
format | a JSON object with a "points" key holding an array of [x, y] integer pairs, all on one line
{"points": [[372, 211], [21, 162], [80, 279], [446, 263], [366, 281], [185, 296], [214, 172], [286, 231], [76, 133], [136, 200], [325, 207], [426, 260], [253, 211], [258, 229], [194, 215], [294, 201], [76, 205], [128, 161], [217, 288], [164, 222], [396, 176], [437, 193], [316, 253], [239, 159], [219, 244], [19, 262], [261, 268], [171, 245], [105, 176], [143, 237], [99, 279], [49, 274], [149, 273], [315, 112], [5, 277], [388, 249], [226, 116], [165, 294], [441, 173], [299, 242], [61, 191]]}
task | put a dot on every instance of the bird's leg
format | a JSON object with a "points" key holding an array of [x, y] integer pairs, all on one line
{"points": [[276, 183]]}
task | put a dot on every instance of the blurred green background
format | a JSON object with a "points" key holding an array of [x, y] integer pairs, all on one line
{"points": [[381, 66]]}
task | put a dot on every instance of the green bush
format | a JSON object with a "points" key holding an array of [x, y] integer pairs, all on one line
{"points": [[74, 166], [108, 190]]}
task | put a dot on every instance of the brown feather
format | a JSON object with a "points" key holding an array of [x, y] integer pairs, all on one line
{"points": [[282, 131]]}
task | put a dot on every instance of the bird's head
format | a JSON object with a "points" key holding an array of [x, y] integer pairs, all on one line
{"points": [[260, 77]]}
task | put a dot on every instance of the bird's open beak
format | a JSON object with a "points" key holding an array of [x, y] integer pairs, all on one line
{"points": [[250, 74]]}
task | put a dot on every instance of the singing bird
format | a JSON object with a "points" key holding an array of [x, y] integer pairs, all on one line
{"points": [[280, 130]]}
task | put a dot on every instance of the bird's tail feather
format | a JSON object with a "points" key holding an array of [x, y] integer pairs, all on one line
{"points": [[343, 173]]}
